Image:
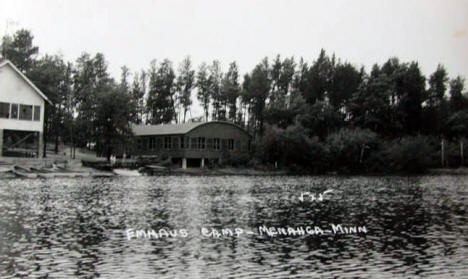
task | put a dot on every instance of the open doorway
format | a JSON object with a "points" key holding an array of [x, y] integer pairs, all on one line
{"points": [[20, 143]]}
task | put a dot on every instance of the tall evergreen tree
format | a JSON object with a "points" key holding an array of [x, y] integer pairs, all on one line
{"points": [[247, 103], [436, 110], [113, 118], [412, 95], [215, 78], [282, 74], [185, 84], [160, 102], [344, 82], [138, 93], [85, 97], [230, 90], [259, 87], [125, 73], [457, 100], [204, 86], [20, 50], [50, 74], [318, 78], [370, 105]]}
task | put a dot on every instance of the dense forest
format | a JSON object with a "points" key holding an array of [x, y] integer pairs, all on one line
{"points": [[309, 116]]}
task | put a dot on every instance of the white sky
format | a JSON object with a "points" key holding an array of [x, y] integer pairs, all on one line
{"points": [[133, 33]]}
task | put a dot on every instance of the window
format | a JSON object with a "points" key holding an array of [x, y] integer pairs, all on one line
{"points": [[159, 143], [238, 145], [201, 143], [152, 144], [4, 110], [193, 143], [25, 112], [230, 144], [175, 143], [14, 111], [37, 113], [223, 144], [209, 143], [182, 142], [140, 144], [167, 142], [216, 143]]}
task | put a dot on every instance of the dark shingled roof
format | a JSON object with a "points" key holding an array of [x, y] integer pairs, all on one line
{"points": [[165, 129], [174, 129]]}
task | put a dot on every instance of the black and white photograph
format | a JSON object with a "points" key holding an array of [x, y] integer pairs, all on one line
{"points": [[251, 139]]}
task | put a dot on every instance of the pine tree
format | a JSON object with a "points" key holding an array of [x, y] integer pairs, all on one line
{"points": [[230, 90], [160, 102], [204, 86], [20, 50], [215, 78], [185, 84]]}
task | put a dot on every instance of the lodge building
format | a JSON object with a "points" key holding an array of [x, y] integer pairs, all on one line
{"points": [[192, 144], [22, 107]]}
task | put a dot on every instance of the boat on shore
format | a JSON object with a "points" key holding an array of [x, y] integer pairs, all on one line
{"points": [[155, 169], [126, 172], [24, 174], [5, 169], [54, 172], [107, 166]]}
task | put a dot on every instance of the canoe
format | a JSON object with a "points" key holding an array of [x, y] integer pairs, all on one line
{"points": [[155, 169], [24, 174], [102, 174], [41, 170], [5, 169], [46, 175], [126, 172], [63, 174], [22, 169]]}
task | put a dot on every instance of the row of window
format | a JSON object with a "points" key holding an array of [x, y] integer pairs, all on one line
{"points": [[20, 111], [189, 143]]}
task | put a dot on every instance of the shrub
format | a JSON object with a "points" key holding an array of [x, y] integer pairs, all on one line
{"points": [[304, 154], [236, 160], [410, 154], [291, 148], [350, 149]]}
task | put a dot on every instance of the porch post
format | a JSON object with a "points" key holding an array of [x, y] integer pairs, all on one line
{"points": [[202, 163], [184, 163], [40, 146], [1, 142]]}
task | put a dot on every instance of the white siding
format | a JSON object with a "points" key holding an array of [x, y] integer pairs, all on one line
{"points": [[14, 89]]}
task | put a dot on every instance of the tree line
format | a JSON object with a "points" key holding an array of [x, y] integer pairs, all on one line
{"points": [[322, 115]]}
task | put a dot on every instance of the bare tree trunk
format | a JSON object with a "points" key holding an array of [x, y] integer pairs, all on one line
{"points": [[462, 159], [44, 134], [442, 152]]}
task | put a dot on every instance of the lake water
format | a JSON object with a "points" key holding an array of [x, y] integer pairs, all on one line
{"points": [[77, 228]]}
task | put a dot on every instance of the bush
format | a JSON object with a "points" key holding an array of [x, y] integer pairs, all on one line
{"points": [[452, 153], [290, 148], [236, 160], [350, 149], [410, 154]]}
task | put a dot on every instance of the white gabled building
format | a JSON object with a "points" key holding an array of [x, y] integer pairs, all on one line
{"points": [[22, 107]]}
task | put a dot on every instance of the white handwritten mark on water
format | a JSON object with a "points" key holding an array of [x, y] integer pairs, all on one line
{"points": [[313, 197]]}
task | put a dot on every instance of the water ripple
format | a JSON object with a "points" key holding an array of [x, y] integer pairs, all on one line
{"points": [[75, 228]]}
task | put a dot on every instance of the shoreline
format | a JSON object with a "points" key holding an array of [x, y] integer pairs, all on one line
{"points": [[7, 165], [76, 165]]}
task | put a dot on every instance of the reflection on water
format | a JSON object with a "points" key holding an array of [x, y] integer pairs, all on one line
{"points": [[76, 228]]}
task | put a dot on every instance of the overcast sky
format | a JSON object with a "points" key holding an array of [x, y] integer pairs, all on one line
{"points": [[133, 33]]}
